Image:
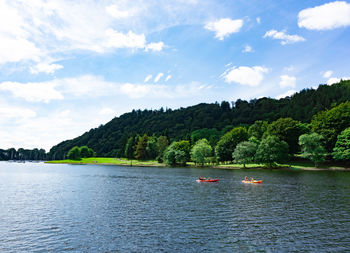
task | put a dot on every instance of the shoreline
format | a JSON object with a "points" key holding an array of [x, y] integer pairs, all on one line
{"points": [[223, 167]]}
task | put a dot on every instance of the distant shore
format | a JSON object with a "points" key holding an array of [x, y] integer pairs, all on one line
{"points": [[124, 162]]}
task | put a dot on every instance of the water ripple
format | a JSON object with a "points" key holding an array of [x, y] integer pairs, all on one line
{"points": [[62, 208]]}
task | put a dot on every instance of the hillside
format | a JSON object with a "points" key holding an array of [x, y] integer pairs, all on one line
{"points": [[110, 139]]}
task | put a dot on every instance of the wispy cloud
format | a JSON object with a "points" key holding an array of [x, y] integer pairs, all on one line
{"points": [[147, 78], [158, 77], [168, 78], [36, 31], [283, 36]]}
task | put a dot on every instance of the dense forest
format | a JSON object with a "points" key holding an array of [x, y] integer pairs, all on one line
{"points": [[113, 138], [22, 154]]}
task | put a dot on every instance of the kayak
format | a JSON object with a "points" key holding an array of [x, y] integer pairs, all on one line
{"points": [[207, 180], [252, 182]]}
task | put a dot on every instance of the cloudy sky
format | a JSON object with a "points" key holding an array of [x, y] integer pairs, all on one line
{"points": [[68, 66]]}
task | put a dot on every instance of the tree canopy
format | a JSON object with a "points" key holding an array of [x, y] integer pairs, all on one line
{"points": [[272, 150], [330, 123], [228, 143], [245, 152], [341, 150], [186, 123], [201, 151], [312, 147]]}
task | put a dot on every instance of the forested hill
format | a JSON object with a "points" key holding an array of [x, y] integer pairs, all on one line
{"points": [[110, 139]]}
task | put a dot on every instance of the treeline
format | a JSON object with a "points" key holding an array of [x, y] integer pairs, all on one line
{"points": [[23, 154], [109, 140], [326, 136]]}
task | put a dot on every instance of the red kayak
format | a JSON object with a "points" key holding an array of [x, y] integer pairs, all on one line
{"points": [[207, 180], [252, 181]]}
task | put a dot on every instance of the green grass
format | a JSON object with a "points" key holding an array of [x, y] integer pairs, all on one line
{"points": [[108, 160], [296, 165]]}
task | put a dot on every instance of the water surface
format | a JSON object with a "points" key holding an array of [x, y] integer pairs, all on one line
{"points": [[92, 208]]}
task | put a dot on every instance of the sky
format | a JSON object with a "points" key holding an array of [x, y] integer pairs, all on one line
{"points": [[68, 66]]}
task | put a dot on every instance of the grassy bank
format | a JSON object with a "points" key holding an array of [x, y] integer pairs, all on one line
{"points": [[294, 165], [108, 161]]}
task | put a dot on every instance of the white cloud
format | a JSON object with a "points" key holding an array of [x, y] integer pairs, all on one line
{"points": [[35, 31], [137, 91], [325, 17], [336, 80], [287, 81], [247, 49], [251, 76], [147, 78], [159, 76], [224, 27], [106, 111], [168, 78], [156, 47], [116, 12], [16, 112], [86, 86], [286, 94], [116, 39], [327, 74], [258, 20], [57, 89], [33, 92], [45, 67], [285, 38]]}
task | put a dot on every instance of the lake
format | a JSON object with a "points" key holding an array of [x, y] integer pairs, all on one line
{"points": [[93, 208]]}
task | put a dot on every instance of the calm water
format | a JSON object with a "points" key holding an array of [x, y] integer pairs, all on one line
{"points": [[55, 208]]}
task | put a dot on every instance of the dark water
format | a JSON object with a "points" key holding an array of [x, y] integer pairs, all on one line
{"points": [[57, 208]]}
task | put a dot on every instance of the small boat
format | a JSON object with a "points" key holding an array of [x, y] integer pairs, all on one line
{"points": [[207, 180], [252, 181]]}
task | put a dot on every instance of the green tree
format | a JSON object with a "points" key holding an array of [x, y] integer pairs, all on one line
{"points": [[177, 153], [162, 144], [212, 135], [228, 143], [287, 130], [312, 147], [201, 151], [74, 153], [331, 123], [271, 151], [129, 148], [152, 147], [141, 152], [341, 150], [91, 152], [258, 129], [245, 152], [84, 151]]}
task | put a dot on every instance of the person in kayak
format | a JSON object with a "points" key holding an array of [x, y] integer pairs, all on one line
{"points": [[245, 178]]}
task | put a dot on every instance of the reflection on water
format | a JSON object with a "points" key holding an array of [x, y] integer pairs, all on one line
{"points": [[108, 208]]}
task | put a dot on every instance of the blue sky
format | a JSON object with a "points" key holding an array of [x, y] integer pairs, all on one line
{"points": [[69, 66]]}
